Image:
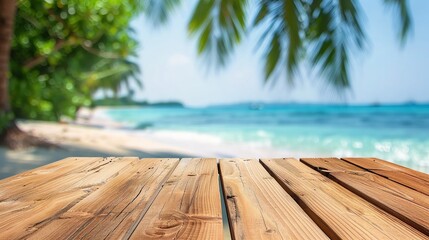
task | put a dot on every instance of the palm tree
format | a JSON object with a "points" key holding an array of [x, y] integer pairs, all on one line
{"points": [[122, 72], [10, 134], [112, 75]]}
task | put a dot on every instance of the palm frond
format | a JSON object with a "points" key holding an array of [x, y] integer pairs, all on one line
{"points": [[283, 36], [219, 26], [158, 11], [335, 32], [322, 32], [405, 22]]}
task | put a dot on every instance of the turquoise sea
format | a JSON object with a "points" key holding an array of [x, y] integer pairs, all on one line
{"points": [[398, 133]]}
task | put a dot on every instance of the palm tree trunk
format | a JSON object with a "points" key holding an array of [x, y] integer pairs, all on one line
{"points": [[7, 18], [10, 134]]}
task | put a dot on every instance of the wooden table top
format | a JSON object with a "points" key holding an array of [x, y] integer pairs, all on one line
{"points": [[132, 198]]}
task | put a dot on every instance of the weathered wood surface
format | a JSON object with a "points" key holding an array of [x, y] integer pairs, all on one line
{"points": [[259, 208], [405, 203], [405, 176], [111, 211], [188, 206], [339, 212], [27, 182], [27, 205], [123, 198]]}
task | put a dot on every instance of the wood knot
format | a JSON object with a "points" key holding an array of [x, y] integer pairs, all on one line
{"points": [[170, 182]]}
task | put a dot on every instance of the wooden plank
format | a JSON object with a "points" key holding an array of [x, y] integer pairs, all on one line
{"points": [[259, 208], [21, 184], [19, 191], [187, 207], [25, 212], [111, 211], [404, 203], [339, 212], [408, 177]]}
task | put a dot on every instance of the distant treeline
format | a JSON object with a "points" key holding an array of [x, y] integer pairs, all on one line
{"points": [[125, 101]]}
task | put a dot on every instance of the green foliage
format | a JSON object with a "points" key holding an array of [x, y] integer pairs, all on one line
{"points": [[65, 50], [321, 34], [401, 7]]}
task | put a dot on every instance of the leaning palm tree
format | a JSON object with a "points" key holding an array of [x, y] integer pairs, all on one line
{"points": [[113, 75], [76, 39]]}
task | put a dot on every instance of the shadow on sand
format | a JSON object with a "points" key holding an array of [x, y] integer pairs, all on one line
{"points": [[15, 161]]}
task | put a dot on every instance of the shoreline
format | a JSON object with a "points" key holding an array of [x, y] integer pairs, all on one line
{"points": [[196, 144], [94, 134], [100, 137], [76, 140]]}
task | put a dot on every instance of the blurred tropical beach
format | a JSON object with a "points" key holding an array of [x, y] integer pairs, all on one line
{"points": [[171, 78], [395, 132]]}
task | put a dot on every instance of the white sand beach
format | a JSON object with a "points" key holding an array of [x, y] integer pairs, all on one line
{"points": [[95, 135]]}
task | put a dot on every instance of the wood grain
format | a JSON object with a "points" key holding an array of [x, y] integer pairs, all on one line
{"points": [[339, 212], [259, 208], [187, 207], [111, 211], [408, 177], [24, 212], [33, 180], [407, 204]]}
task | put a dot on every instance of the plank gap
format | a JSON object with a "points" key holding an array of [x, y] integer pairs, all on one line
{"points": [[417, 181], [150, 202], [188, 208], [225, 215], [389, 208], [319, 221]]}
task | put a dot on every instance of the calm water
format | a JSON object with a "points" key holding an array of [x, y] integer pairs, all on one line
{"points": [[397, 133]]}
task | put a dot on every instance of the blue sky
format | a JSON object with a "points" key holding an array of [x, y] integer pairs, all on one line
{"points": [[384, 73]]}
